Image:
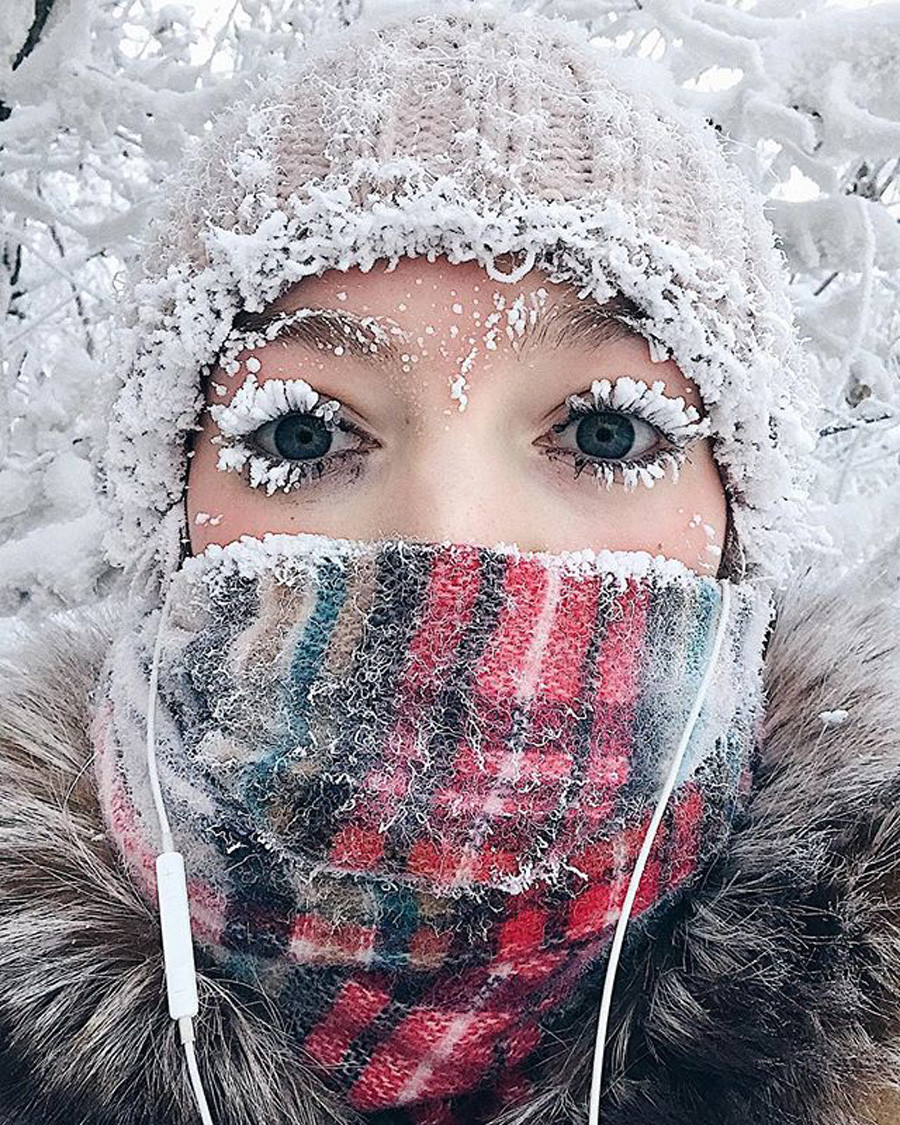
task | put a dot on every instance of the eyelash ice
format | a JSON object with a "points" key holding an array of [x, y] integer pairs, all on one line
{"points": [[680, 424], [251, 407]]}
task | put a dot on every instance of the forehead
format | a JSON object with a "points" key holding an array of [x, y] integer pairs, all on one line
{"points": [[382, 317], [418, 288]]}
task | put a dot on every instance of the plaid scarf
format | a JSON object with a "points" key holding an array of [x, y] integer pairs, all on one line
{"points": [[410, 782]]}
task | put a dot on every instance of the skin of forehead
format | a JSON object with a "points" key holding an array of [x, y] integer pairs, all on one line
{"points": [[683, 520], [419, 294]]}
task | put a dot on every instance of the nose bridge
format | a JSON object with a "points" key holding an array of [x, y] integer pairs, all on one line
{"points": [[446, 493], [453, 483]]}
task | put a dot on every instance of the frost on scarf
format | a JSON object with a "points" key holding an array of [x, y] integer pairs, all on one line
{"points": [[372, 148], [410, 780]]}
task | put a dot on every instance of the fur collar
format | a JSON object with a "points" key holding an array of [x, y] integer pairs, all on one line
{"points": [[771, 995]]}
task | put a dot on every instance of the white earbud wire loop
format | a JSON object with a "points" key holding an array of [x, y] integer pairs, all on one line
{"points": [[178, 952], [631, 893]]}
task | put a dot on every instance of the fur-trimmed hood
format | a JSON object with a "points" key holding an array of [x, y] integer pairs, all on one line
{"points": [[770, 996]]}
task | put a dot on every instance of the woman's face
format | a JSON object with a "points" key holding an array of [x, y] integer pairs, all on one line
{"points": [[398, 457]]}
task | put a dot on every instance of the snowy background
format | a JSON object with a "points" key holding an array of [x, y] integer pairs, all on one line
{"points": [[97, 99]]}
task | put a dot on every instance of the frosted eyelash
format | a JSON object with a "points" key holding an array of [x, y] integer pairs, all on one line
{"points": [[680, 424], [251, 407], [254, 404], [636, 472]]}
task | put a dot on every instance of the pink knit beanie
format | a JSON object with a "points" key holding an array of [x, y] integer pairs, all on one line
{"points": [[471, 131]]}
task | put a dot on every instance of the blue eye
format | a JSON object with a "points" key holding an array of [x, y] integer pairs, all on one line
{"points": [[609, 435], [302, 437], [299, 447], [295, 436], [614, 445]]}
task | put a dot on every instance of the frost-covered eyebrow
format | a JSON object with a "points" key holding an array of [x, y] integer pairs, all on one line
{"points": [[330, 328], [584, 322], [587, 323]]}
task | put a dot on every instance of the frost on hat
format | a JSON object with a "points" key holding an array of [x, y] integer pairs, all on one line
{"points": [[470, 133]]}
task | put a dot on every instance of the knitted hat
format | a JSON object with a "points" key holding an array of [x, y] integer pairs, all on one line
{"points": [[472, 131]]}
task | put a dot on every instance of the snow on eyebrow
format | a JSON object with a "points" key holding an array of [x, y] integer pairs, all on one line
{"points": [[363, 337], [588, 323], [583, 322]]}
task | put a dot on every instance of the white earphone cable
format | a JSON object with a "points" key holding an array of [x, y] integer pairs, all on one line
{"points": [[174, 914], [167, 842], [631, 894]]}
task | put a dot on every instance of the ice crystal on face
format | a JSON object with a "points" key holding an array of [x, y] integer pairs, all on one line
{"points": [[680, 424], [668, 461], [651, 401]]}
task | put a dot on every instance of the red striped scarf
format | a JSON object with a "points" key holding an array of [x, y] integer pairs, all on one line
{"points": [[410, 782]]}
